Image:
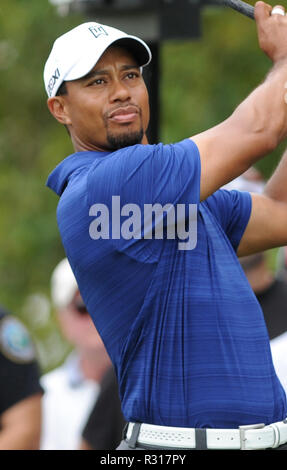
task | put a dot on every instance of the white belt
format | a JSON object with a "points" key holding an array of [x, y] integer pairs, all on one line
{"points": [[250, 437]]}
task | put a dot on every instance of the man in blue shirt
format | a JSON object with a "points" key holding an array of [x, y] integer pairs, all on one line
{"points": [[153, 243]]}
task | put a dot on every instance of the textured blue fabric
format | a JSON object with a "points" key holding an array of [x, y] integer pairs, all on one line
{"points": [[183, 327]]}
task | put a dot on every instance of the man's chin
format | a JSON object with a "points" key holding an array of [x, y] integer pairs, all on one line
{"points": [[122, 140]]}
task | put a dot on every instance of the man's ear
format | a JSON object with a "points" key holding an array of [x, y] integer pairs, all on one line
{"points": [[58, 109]]}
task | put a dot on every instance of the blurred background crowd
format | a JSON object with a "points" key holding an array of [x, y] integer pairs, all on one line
{"points": [[200, 81]]}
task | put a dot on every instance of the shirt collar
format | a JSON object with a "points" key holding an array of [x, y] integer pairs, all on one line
{"points": [[59, 177]]}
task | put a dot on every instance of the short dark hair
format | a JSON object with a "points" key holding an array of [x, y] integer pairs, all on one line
{"points": [[62, 90]]}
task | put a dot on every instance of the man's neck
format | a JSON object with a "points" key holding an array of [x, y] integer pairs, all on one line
{"points": [[80, 146]]}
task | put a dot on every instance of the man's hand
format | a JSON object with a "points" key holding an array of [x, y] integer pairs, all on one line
{"points": [[271, 31], [259, 123]]}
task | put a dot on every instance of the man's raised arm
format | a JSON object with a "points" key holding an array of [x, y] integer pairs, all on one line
{"points": [[259, 123], [267, 226]]}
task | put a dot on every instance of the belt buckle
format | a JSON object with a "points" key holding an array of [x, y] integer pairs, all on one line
{"points": [[243, 429]]}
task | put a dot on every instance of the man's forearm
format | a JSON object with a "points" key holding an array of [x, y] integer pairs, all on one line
{"points": [[259, 123], [266, 107], [254, 129], [262, 116], [276, 187]]}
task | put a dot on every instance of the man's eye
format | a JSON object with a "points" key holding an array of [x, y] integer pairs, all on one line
{"points": [[132, 75], [98, 81]]}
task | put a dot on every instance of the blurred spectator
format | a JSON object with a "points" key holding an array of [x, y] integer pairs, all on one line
{"points": [[281, 263], [270, 289], [20, 391], [279, 344], [73, 389], [104, 428]]}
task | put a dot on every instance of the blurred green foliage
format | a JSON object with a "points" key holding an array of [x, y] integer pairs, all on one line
{"points": [[201, 83]]}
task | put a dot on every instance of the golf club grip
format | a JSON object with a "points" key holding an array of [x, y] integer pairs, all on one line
{"points": [[240, 6]]}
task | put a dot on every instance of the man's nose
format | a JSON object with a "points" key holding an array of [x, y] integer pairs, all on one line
{"points": [[119, 91]]}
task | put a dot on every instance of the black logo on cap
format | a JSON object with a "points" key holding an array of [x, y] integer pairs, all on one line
{"points": [[98, 31], [52, 81]]}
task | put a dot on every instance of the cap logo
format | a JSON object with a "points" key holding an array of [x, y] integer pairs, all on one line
{"points": [[98, 31], [52, 81]]}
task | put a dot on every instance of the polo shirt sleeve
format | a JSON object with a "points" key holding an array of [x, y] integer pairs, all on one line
{"points": [[232, 209], [142, 176]]}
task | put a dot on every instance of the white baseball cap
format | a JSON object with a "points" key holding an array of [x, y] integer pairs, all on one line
{"points": [[63, 285], [76, 52]]}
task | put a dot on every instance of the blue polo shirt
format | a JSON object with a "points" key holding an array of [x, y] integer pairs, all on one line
{"points": [[182, 326]]}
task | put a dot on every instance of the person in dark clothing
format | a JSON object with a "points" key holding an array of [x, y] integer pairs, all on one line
{"points": [[20, 391], [98, 433]]}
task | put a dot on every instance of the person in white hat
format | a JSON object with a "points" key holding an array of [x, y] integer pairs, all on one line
{"points": [[75, 53], [269, 286], [154, 243], [73, 389]]}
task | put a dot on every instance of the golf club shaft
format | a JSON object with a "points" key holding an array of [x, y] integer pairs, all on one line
{"points": [[240, 6]]}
